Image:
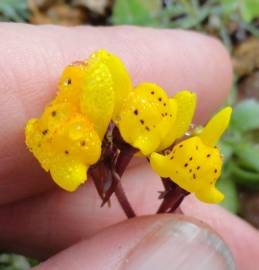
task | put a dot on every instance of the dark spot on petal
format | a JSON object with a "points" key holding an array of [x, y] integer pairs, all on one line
{"points": [[166, 114], [68, 81], [171, 115], [83, 143], [66, 152], [44, 132], [53, 113], [208, 155], [152, 92], [147, 128], [160, 99], [215, 171], [194, 176], [190, 158], [190, 170], [142, 121], [180, 145], [162, 114], [164, 104], [172, 157], [186, 164], [197, 148], [198, 167], [136, 112]]}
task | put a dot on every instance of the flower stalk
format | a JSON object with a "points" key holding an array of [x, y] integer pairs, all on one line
{"points": [[172, 196]]}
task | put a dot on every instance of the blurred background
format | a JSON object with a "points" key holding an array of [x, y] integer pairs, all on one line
{"points": [[235, 22]]}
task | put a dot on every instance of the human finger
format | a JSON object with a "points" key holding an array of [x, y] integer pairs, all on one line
{"points": [[154, 242], [35, 56]]}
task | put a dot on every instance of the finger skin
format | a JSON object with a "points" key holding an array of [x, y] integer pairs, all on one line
{"points": [[56, 220], [150, 242], [241, 237], [34, 57]]}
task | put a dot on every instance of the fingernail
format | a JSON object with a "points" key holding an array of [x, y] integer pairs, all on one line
{"points": [[180, 244]]}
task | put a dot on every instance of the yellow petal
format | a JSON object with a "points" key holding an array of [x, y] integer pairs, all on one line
{"points": [[170, 127], [186, 105], [37, 144], [210, 195], [161, 165], [55, 115], [71, 81], [75, 146], [97, 96], [69, 174], [193, 166], [80, 140], [146, 144], [216, 126], [146, 117], [63, 140], [120, 77]]}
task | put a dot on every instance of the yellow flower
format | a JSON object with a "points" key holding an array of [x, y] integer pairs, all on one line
{"points": [[195, 163], [97, 87], [65, 143], [66, 139], [146, 117], [186, 105], [150, 121], [120, 77], [106, 85]]}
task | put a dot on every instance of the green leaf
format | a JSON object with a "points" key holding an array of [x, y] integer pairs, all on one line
{"points": [[249, 9], [136, 12], [246, 115], [229, 6], [244, 177], [232, 97], [248, 155], [228, 187], [14, 10], [13, 262]]}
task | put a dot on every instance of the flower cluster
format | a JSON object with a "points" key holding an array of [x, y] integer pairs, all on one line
{"points": [[69, 136]]}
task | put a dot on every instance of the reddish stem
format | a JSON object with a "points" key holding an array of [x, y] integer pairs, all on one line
{"points": [[108, 172], [123, 200], [173, 196], [98, 173], [122, 163]]}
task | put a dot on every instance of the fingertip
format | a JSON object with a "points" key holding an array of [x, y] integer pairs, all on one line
{"points": [[151, 242], [242, 238]]}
